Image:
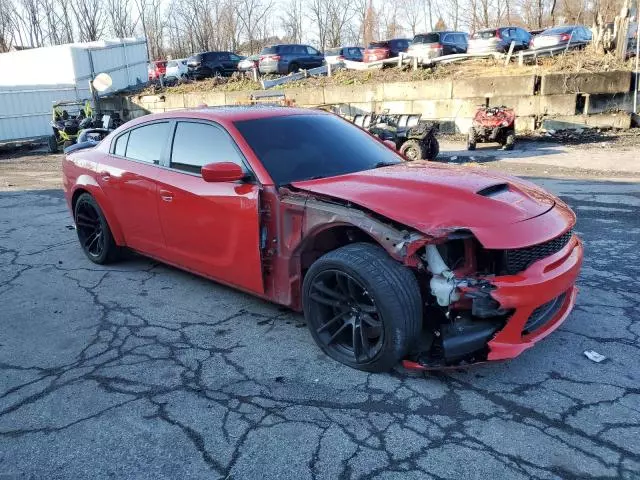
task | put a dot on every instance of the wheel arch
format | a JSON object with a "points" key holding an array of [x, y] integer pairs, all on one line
{"points": [[87, 184]]}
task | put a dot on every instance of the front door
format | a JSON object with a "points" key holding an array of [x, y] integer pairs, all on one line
{"points": [[128, 179], [209, 228]]}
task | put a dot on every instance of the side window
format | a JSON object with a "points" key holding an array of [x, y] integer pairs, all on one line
{"points": [[223, 56], [286, 49], [198, 144], [146, 143], [121, 145], [234, 57], [446, 38], [312, 51]]}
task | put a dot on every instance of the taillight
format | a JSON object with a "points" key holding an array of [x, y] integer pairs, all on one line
{"points": [[435, 45], [270, 57], [565, 37], [498, 36], [340, 58]]}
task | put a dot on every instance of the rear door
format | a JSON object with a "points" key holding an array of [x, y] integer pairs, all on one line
{"points": [[209, 228], [128, 178]]}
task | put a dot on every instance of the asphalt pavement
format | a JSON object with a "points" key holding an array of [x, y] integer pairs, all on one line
{"points": [[139, 370]]}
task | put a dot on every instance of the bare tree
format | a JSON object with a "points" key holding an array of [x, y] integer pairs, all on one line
{"points": [[121, 23], [292, 20], [7, 25], [413, 11], [251, 13], [91, 19]]}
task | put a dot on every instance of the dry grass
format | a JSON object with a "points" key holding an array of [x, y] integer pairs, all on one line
{"points": [[572, 62]]}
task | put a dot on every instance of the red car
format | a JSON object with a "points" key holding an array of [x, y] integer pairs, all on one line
{"points": [[157, 69], [386, 49], [389, 260]]}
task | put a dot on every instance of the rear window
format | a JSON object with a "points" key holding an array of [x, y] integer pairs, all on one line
{"points": [[295, 147], [427, 38], [269, 50], [557, 31], [485, 35], [379, 45]]}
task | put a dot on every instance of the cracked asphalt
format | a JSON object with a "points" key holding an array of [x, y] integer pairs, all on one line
{"points": [[139, 370]]}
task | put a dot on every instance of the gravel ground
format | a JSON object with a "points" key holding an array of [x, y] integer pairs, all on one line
{"points": [[139, 370]]}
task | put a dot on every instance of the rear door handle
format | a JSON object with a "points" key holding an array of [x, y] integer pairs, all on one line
{"points": [[166, 195]]}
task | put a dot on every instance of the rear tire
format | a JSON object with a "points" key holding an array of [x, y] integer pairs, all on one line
{"points": [[510, 142], [293, 67], [413, 149], [472, 139], [52, 143], [363, 308], [94, 233]]}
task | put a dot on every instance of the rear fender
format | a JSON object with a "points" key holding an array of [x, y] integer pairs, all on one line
{"points": [[89, 184]]}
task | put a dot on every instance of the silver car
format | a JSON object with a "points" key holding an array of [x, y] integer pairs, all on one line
{"points": [[557, 36], [499, 40]]}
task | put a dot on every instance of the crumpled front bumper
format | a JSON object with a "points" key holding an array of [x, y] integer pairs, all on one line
{"points": [[544, 281], [548, 281]]}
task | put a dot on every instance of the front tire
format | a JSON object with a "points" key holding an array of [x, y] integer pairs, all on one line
{"points": [[413, 149], [93, 231], [510, 142], [472, 139], [363, 308], [52, 143]]}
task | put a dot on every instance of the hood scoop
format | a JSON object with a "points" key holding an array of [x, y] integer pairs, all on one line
{"points": [[492, 190]]}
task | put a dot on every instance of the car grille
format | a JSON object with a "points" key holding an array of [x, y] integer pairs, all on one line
{"points": [[519, 259], [543, 314]]}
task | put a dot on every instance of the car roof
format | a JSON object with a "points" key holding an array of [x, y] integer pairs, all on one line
{"points": [[229, 113]]}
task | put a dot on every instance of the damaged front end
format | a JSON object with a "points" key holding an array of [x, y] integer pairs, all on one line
{"points": [[483, 304]]}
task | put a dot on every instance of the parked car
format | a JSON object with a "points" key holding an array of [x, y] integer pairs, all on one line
{"points": [[336, 55], [557, 36], [289, 58], [306, 210], [156, 70], [248, 63], [177, 69], [426, 46], [385, 49], [212, 64], [499, 40]]}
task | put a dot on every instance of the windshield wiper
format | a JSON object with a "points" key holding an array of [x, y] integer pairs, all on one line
{"points": [[383, 164]]}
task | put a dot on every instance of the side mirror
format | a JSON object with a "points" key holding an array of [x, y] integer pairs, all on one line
{"points": [[222, 172], [390, 143]]}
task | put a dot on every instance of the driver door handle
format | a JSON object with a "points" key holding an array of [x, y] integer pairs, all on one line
{"points": [[166, 195]]}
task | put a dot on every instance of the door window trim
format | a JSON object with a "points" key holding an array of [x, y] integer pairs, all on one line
{"points": [[112, 147], [166, 161]]}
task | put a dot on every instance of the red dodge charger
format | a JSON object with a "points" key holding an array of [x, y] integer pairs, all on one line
{"points": [[389, 260]]}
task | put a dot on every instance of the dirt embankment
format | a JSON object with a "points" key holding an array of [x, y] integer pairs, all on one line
{"points": [[572, 62]]}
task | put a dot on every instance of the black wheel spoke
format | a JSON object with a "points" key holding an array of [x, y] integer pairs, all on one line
{"points": [[332, 321], [328, 292], [357, 340], [342, 283], [372, 322], [367, 308], [325, 301], [337, 333], [90, 230]]}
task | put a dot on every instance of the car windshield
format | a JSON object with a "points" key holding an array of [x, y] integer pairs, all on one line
{"points": [[427, 38], [485, 35], [303, 147]]}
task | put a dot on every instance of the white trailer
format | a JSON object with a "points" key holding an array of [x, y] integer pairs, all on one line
{"points": [[32, 80]]}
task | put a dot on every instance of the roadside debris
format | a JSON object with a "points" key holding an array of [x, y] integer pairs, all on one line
{"points": [[594, 356]]}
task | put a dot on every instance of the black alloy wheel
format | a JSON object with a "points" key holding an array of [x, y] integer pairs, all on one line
{"points": [[362, 307], [93, 231], [350, 323]]}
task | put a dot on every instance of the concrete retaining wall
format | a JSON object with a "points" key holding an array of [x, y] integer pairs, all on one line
{"points": [[451, 102]]}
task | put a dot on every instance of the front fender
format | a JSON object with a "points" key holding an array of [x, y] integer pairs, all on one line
{"points": [[89, 184]]}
